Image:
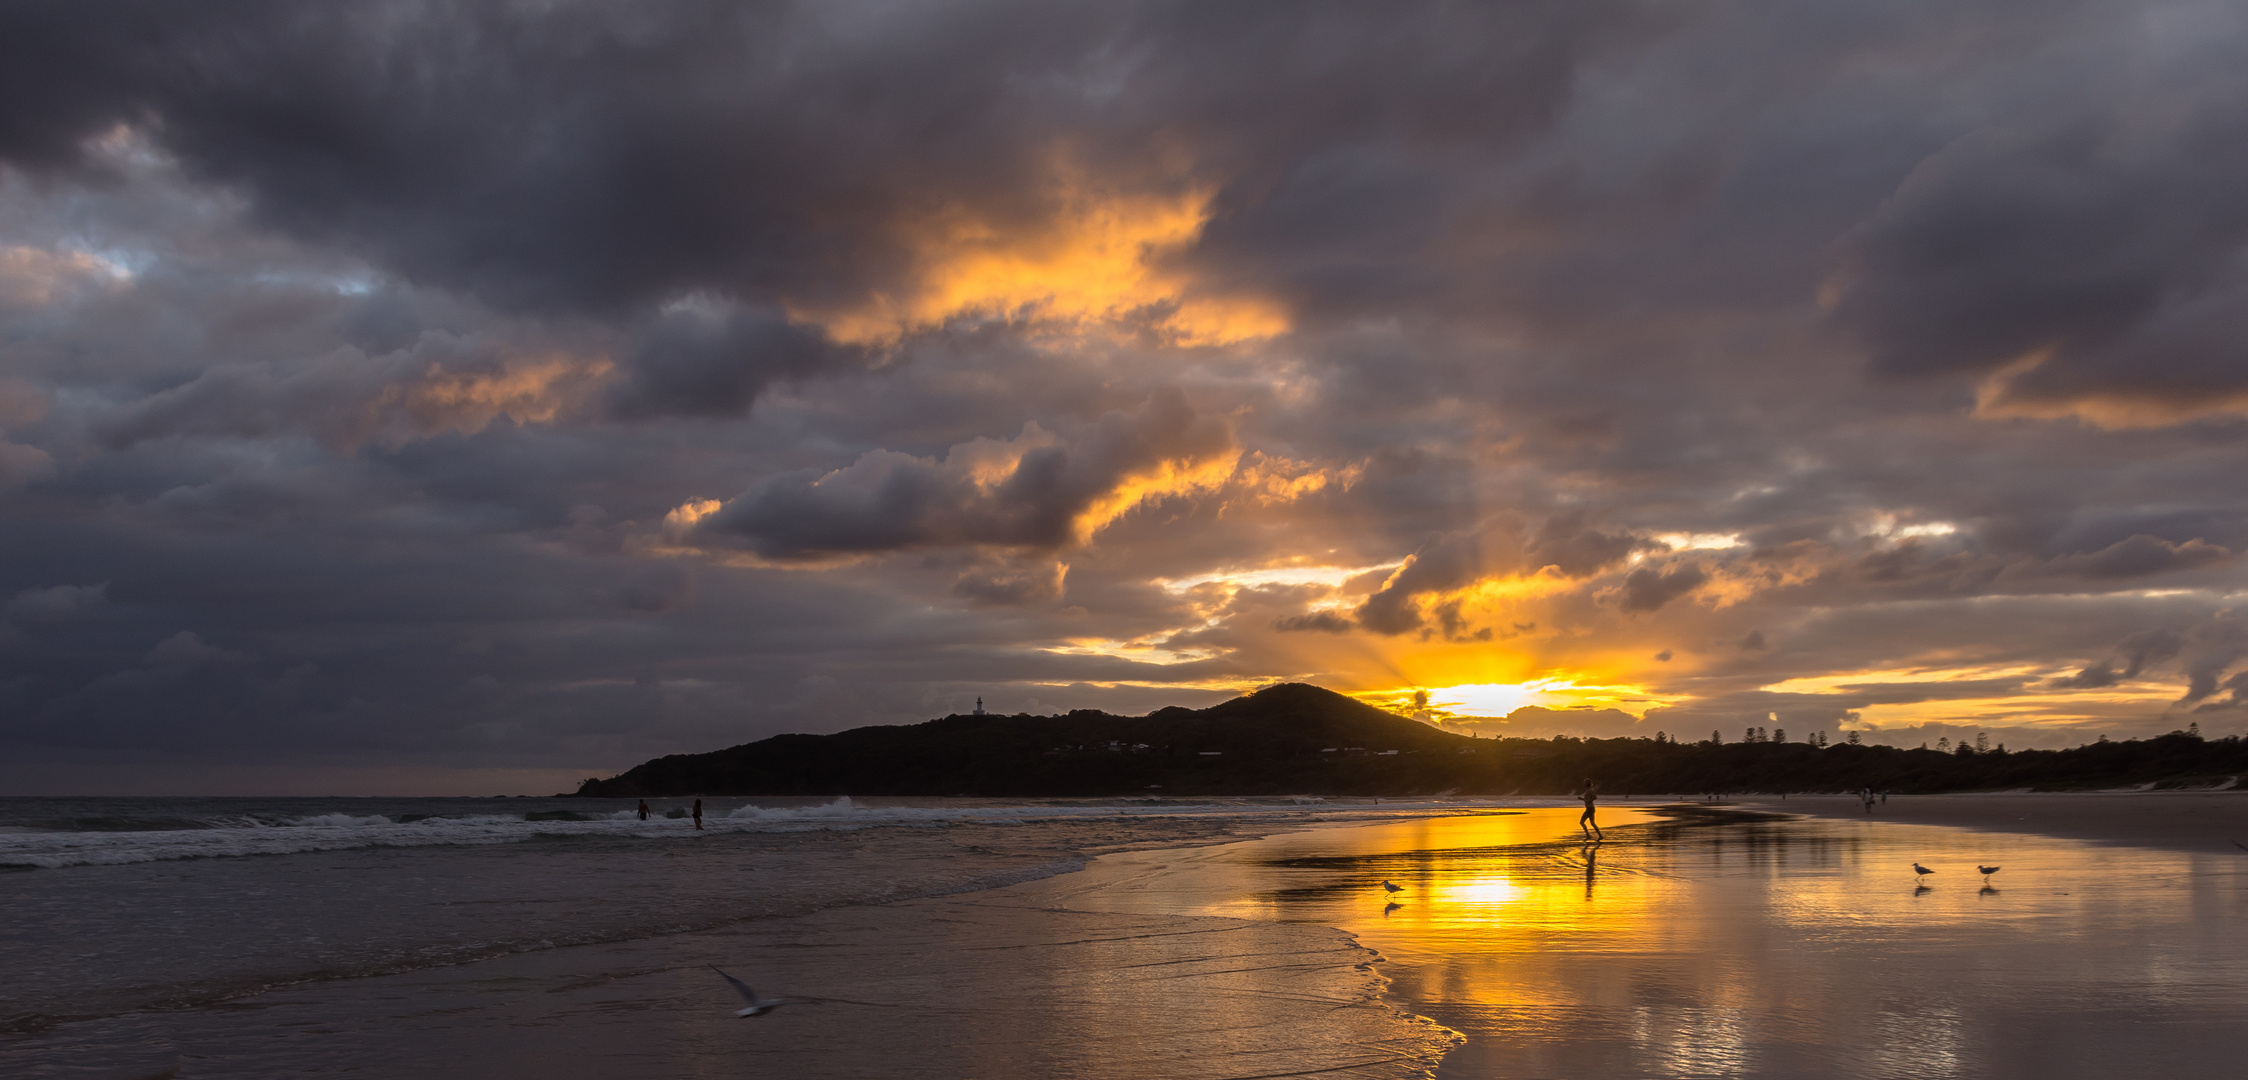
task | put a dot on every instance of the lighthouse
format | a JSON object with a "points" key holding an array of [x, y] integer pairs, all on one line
{"points": [[979, 707]]}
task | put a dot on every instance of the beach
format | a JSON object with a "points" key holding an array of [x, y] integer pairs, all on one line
{"points": [[484, 938], [2173, 820], [1227, 939]]}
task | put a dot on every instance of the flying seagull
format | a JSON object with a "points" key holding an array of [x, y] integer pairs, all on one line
{"points": [[1987, 871], [757, 1006], [1921, 870], [1387, 887]]}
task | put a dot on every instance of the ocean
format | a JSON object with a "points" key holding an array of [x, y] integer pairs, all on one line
{"points": [[138, 926], [1217, 939]]}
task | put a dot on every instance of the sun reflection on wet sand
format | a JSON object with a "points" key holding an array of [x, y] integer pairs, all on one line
{"points": [[1713, 945]]}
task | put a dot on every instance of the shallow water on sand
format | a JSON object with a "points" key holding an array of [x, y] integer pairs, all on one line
{"points": [[256, 939], [1724, 947]]}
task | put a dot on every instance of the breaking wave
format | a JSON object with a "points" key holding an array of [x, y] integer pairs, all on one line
{"points": [[120, 839]]}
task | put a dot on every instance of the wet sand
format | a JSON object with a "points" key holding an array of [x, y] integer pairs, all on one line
{"points": [[2174, 821], [995, 985], [1738, 946], [1706, 945], [902, 952]]}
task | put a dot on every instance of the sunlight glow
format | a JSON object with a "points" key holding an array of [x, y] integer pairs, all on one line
{"points": [[1700, 541], [1100, 256], [1844, 681], [1478, 890], [1330, 576]]}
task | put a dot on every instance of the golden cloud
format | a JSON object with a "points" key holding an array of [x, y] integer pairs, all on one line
{"points": [[1099, 256]]}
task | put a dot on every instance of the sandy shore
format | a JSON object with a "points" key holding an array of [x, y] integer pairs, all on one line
{"points": [[2176, 821], [902, 949]]}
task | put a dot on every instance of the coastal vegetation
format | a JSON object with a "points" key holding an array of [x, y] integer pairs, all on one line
{"points": [[1295, 739]]}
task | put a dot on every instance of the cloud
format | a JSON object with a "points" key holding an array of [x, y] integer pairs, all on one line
{"points": [[1325, 622], [184, 650], [1007, 583], [2082, 264], [2142, 555], [54, 602], [1566, 545], [2137, 652], [1648, 589], [657, 589], [696, 361], [34, 277], [1440, 565], [523, 387], [346, 399], [1039, 490], [2210, 648]]}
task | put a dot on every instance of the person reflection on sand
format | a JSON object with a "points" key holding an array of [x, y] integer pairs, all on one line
{"points": [[1589, 794], [1592, 864]]}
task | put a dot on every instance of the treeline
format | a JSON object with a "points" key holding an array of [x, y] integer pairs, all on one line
{"points": [[1296, 739]]}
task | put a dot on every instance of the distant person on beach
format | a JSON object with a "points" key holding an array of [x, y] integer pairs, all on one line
{"points": [[1591, 792], [698, 815], [1865, 795], [1884, 797], [643, 809]]}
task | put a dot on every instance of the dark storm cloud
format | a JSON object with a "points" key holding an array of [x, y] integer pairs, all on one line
{"points": [[1037, 495], [352, 360], [346, 399], [1326, 622], [1441, 564], [1649, 588], [2095, 247], [2210, 648], [586, 156], [696, 362], [2135, 652]]}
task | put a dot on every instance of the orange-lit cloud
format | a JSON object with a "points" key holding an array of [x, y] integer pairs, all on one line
{"points": [[1098, 256], [2001, 396]]}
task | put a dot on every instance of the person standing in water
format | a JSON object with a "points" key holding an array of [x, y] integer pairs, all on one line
{"points": [[698, 815], [1591, 792], [643, 809]]}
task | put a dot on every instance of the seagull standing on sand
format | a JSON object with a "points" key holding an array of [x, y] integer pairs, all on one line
{"points": [[757, 1006], [1387, 887], [1921, 870]]}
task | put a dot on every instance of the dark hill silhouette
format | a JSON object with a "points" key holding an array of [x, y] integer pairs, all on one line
{"points": [[1276, 740], [1299, 739]]}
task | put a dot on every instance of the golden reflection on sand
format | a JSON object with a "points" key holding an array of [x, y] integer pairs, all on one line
{"points": [[1767, 947]]}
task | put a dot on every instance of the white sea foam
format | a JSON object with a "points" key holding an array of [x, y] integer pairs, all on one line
{"points": [[238, 836]]}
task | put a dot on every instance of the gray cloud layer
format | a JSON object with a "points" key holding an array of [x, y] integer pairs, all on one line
{"points": [[500, 387]]}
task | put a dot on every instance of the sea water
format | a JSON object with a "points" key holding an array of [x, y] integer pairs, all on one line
{"points": [[206, 937], [564, 938]]}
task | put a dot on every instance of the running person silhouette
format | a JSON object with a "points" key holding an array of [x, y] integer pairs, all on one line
{"points": [[1591, 792]]}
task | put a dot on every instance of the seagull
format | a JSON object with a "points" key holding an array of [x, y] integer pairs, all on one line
{"points": [[1387, 887], [1987, 871], [757, 1006], [1921, 870]]}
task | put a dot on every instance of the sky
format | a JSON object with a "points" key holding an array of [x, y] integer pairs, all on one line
{"points": [[476, 397]]}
